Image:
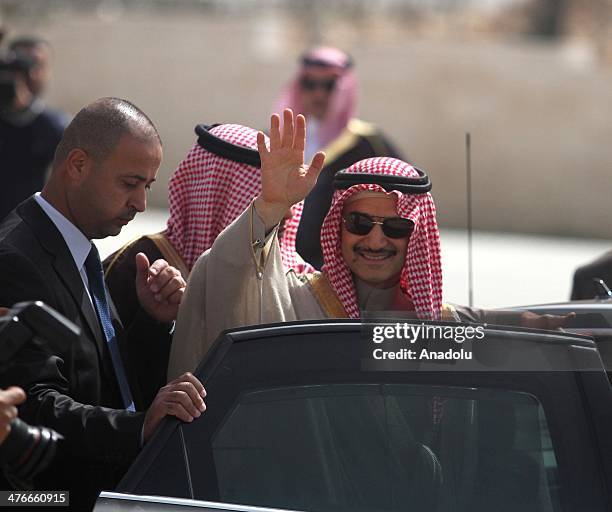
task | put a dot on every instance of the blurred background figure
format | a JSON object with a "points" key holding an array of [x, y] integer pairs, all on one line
{"points": [[325, 91], [29, 130], [584, 285]]}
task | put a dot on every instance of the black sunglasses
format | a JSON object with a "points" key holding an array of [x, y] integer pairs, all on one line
{"points": [[309, 84], [393, 227]]}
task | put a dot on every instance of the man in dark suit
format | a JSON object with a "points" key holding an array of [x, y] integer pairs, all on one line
{"points": [[107, 159]]}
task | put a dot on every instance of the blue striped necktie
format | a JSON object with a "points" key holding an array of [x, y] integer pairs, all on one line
{"points": [[95, 276]]}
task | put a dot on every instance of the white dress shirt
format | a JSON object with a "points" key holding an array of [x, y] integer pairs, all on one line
{"points": [[78, 244]]}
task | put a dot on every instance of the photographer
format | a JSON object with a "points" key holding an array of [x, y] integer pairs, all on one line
{"points": [[29, 130]]}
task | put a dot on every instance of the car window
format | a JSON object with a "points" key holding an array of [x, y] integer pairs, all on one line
{"points": [[384, 447]]}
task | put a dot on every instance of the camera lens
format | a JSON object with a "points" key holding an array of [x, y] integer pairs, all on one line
{"points": [[28, 450]]}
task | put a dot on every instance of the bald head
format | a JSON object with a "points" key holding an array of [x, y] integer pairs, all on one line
{"points": [[98, 128]]}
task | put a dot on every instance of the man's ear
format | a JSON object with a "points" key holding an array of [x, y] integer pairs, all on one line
{"points": [[78, 165]]}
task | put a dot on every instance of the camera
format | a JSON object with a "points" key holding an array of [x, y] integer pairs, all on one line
{"points": [[11, 68], [28, 450]]}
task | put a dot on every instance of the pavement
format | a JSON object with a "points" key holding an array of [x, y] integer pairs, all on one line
{"points": [[508, 269]]}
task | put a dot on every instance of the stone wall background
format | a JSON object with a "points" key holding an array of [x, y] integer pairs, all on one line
{"points": [[538, 109]]}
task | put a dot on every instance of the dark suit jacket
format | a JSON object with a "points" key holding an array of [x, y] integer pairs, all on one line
{"points": [[71, 387]]}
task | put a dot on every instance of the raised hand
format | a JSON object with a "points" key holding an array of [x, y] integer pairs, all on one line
{"points": [[548, 322], [285, 179]]}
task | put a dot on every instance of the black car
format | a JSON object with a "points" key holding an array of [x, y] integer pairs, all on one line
{"points": [[303, 416]]}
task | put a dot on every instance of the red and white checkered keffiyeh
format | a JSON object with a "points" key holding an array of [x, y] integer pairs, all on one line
{"points": [[291, 259], [208, 192], [421, 277]]}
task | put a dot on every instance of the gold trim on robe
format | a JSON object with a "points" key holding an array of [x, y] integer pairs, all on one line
{"points": [[325, 295], [330, 303], [350, 137]]}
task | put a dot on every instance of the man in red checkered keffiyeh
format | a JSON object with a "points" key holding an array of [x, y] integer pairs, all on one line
{"points": [[348, 257], [324, 90], [242, 280], [380, 244], [399, 272], [207, 192]]}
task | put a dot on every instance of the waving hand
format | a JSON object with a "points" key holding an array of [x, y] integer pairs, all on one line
{"points": [[285, 179]]}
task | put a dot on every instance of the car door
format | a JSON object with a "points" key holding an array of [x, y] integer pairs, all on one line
{"points": [[297, 418]]}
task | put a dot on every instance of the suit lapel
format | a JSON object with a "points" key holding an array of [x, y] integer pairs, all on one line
{"points": [[67, 272], [53, 241]]}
